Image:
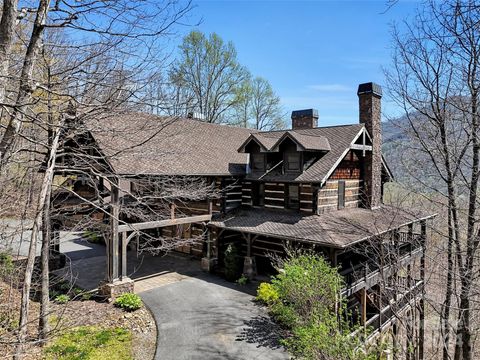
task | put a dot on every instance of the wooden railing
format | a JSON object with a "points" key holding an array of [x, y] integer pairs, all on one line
{"points": [[391, 312], [368, 273]]}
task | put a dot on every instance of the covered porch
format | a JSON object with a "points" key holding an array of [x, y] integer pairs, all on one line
{"points": [[380, 253]]}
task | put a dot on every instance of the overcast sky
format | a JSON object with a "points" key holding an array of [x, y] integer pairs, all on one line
{"points": [[314, 53]]}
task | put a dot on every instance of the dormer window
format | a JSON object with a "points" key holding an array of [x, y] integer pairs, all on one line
{"points": [[258, 162], [292, 161]]}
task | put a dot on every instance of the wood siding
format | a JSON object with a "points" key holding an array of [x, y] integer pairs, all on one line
{"points": [[231, 193], [275, 195], [328, 195], [307, 199], [247, 195], [348, 169], [187, 231]]}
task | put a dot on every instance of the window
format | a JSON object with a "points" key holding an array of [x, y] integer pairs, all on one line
{"points": [[258, 162], [258, 194], [292, 161], [293, 198]]}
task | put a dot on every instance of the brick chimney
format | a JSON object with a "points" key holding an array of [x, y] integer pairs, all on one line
{"points": [[304, 119], [369, 97]]}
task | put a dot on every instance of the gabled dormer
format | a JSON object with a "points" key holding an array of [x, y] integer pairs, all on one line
{"points": [[287, 152]]}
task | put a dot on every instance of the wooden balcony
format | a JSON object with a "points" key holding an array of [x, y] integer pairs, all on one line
{"points": [[389, 314], [367, 274]]}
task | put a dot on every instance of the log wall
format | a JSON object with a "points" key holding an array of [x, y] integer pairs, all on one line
{"points": [[274, 195], [247, 196], [328, 195]]}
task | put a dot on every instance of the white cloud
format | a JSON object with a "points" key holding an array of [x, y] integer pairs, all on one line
{"points": [[330, 88]]}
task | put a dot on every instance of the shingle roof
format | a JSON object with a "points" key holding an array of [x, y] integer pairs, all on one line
{"points": [[138, 143], [339, 139], [338, 229], [271, 140]]}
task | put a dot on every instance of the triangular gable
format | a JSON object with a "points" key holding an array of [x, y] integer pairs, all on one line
{"points": [[288, 135], [362, 132], [251, 138]]}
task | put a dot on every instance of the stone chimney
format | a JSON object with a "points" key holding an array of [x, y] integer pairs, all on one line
{"points": [[304, 119], [369, 97]]}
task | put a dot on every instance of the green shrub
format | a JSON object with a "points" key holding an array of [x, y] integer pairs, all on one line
{"points": [[303, 298], [93, 237], [285, 315], [64, 286], [242, 280], [6, 263], [86, 296], [129, 302], [233, 267], [92, 343], [76, 291], [267, 294], [62, 299]]}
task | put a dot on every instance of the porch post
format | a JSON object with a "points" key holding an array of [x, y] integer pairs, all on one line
{"points": [[208, 261], [363, 303], [124, 256], [114, 286], [423, 240], [112, 249], [249, 265]]}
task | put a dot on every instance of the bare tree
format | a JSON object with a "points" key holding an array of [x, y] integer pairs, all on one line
{"points": [[436, 81], [105, 71]]}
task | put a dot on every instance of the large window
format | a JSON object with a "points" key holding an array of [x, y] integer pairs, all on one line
{"points": [[258, 162], [293, 197], [292, 161]]}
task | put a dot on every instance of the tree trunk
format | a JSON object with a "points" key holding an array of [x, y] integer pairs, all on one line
{"points": [[445, 316], [26, 87], [43, 326], [42, 202], [7, 27]]}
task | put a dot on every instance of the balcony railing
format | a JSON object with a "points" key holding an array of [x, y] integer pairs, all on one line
{"points": [[391, 312], [368, 273]]}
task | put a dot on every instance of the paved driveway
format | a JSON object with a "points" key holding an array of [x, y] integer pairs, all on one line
{"points": [[205, 317]]}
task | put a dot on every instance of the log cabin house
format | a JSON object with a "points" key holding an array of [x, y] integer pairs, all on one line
{"points": [[310, 186]]}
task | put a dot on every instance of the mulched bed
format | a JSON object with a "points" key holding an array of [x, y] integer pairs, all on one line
{"points": [[78, 313]]}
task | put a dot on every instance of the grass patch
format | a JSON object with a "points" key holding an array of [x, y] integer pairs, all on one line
{"points": [[91, 343]]}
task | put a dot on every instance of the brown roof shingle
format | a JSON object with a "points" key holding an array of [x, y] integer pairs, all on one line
{"points": [[338, 229], [339, 139], [140, 143]]}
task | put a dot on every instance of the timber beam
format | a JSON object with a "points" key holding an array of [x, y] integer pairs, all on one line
{"points": [[164, 223], [361, 147]]}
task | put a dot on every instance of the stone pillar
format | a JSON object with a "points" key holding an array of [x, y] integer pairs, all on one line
{"points": [[369, 96], [116, 288]]}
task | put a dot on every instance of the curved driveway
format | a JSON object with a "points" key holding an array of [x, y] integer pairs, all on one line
{"points": [[205, 317]]}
